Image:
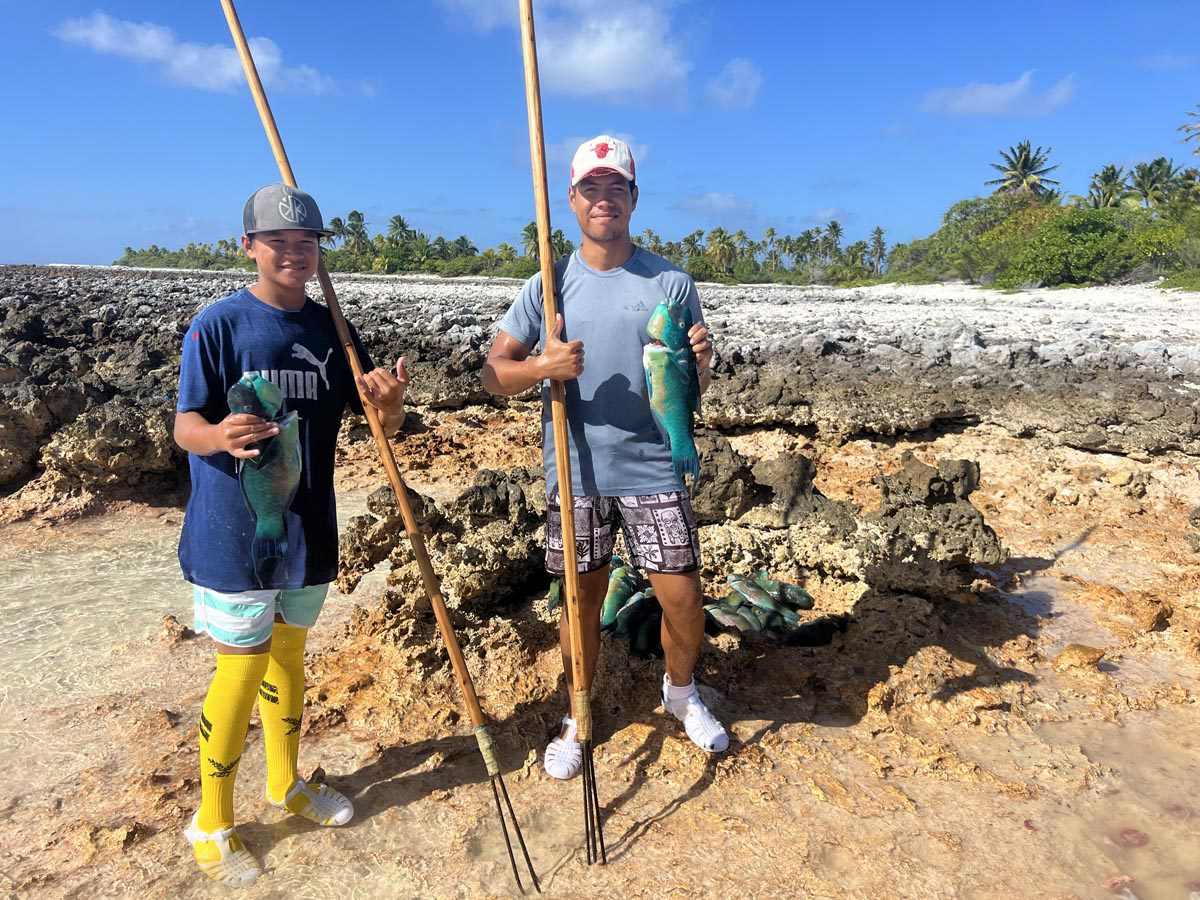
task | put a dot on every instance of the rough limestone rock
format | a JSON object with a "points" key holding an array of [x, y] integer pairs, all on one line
{"points": [[726, 487], [931, 535], [484, 544], [119, 443], [838, 362]]}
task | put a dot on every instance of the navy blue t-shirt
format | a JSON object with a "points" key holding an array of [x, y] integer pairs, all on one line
{"points": [[300, 353]]}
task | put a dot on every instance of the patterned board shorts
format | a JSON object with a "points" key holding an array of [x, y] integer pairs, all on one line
{"points": [[245, 619], [660, 532]]}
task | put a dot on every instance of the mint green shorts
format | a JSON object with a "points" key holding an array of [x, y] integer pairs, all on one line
{"points": [[245, 619]]}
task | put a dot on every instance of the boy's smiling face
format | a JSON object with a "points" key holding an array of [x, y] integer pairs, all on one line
{"points": [[286, 260]]}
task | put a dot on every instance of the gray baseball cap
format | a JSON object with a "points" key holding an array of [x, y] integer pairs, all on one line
{"points": [[278, 207]]}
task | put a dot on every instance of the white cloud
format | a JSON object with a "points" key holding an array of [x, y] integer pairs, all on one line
{"points": [[737, 85], [1168, 61], [621, 51], [210, 67], [718, 206], [821, 216], [1013, 98]]}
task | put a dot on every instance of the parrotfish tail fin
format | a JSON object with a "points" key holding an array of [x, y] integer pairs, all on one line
{"points": [[266, 553], [686, 463]]}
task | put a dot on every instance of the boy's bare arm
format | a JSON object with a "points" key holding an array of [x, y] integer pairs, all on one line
{"points": [[196, 434], [510, 369]]}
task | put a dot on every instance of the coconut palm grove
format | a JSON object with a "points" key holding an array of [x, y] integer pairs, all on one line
{"points": [[1129, 225]]}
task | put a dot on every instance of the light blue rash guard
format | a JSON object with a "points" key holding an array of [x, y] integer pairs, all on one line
{"points": [[616, 450]]}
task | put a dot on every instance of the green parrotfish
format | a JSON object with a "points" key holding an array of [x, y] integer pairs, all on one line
{"points": [[673, 383], [269, 480], [757, 597], [623, 582], [793, 595]]}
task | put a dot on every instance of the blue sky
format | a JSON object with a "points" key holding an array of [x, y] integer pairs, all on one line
{"points": [[128, 123]]}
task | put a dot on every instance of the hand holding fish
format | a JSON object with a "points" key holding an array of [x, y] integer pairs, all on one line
{"points": [[385, 392], [703, 350], [560, 361], [238, 430]]}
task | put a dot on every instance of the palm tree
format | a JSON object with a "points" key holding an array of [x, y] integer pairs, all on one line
{"points": [[856, 254], [1152, 181], [651, 241], [720, 249], [529, 240], [833, 237], [878, 249], [440, 249], [506, 252], [462, 246], [1023, 170], [398, 230], [745, 246], [357, 240], [1186, 188], [560, 244], [1191, 130], [338, 229], [692, 245], [1108, 188], [420, 251]]}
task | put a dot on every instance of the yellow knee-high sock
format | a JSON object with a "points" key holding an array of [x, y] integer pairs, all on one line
{"points": [[281, 706], [223, 723]]}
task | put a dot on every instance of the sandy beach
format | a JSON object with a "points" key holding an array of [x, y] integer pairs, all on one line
{"points": [[996, 489]]}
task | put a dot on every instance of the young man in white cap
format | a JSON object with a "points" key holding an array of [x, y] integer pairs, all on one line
{"points": [[255, 597], [621, 470]]}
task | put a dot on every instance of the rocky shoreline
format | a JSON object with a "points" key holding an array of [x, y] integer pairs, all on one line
{"points": [[89, 362]]}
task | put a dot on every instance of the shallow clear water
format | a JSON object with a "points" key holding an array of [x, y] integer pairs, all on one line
{"points": [[1144, 821], [74, 594]]}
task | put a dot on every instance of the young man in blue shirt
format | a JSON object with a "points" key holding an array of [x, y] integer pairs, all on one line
{"points": [[258, 611], [621, 470]]}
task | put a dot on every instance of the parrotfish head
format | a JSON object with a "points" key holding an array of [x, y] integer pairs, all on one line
{"points": [[669, 323], [256, 396]]}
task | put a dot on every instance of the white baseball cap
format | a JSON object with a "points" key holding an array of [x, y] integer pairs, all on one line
{"points": [[603, 155]]}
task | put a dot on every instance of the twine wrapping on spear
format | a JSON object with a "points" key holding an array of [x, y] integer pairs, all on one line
{"points": [[416, 539], [593, 831]]}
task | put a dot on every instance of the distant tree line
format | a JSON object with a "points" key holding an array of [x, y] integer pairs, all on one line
{"points": [[1131, 224]]}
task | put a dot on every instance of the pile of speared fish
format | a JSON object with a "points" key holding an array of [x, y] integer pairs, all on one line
{"points": [[767, 607], [763, 607]]}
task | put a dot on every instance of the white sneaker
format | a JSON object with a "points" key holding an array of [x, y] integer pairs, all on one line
{"points": [[564, 756], [319, 803], [222, 856], [701, 726]]}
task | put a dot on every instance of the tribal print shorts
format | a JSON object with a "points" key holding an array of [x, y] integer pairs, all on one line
{"points": [[660, 532]]}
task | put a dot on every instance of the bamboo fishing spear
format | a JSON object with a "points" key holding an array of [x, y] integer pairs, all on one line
{"points": [[593, 831], [428, 577]]}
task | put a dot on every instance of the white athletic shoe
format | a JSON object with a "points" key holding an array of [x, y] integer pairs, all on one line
{"points": [[319, 803], [701, 726], [564, 756], [222, 856]]}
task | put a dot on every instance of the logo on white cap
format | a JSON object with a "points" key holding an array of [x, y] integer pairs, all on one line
{"points": [[292, 209]]}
